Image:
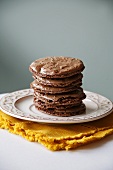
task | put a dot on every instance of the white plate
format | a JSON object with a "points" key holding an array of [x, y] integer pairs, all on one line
{"points": [[19, 104]]}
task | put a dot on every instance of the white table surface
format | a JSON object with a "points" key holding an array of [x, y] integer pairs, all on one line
{"points": [[16, 153]]}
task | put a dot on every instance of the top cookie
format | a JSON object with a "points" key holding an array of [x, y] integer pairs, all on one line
{"points": [[56, 67]]}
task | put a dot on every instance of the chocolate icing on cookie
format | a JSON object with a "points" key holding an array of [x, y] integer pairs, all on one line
{"points": [[57, 67]]}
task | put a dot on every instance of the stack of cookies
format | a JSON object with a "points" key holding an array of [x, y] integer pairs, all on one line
{"points": [[57, 85]]}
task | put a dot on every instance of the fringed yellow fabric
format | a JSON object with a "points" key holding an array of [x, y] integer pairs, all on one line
{"points": [[59, 136]]}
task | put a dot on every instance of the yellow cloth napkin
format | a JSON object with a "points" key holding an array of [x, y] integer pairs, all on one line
{"points": [[59, 136]]}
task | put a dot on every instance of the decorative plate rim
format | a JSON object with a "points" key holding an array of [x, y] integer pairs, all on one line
{"points": [[7, 105]]}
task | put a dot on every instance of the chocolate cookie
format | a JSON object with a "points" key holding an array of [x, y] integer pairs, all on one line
{"points": [[75, 110], [58, 82], [44, 105], [54, 90], [57, 85], [56, 67], [64, 99]]}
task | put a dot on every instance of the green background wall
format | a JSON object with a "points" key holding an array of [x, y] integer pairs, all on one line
{"points": [[38, 28]]}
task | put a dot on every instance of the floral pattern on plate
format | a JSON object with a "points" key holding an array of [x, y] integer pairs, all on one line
{"points": [[19, 104]]}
